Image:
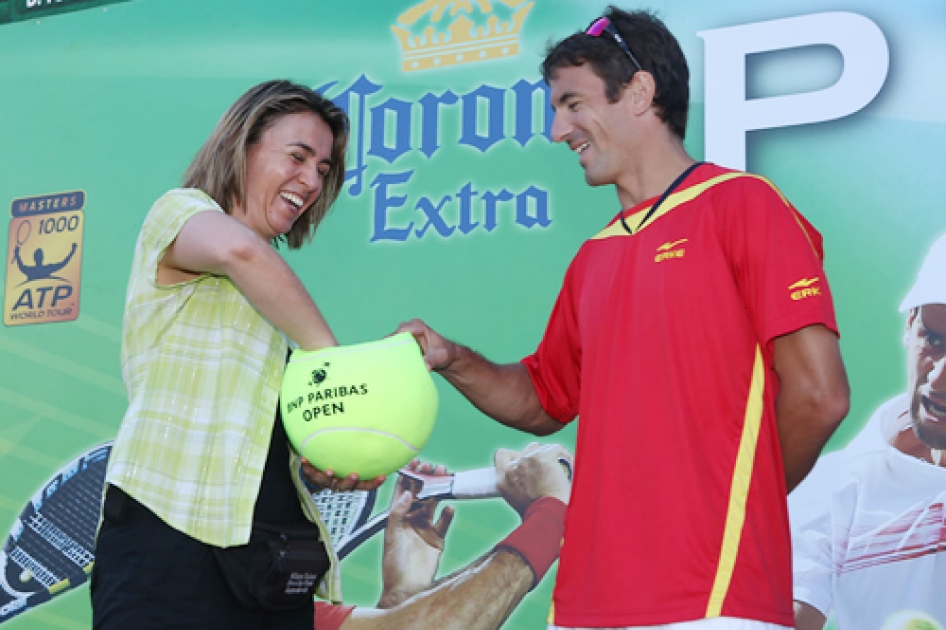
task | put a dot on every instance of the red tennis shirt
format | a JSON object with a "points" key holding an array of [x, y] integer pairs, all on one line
{"points": [[661, 343]]}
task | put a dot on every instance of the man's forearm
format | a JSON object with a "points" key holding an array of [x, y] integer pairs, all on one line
{"points": [[813, 397], [504, 392], [479, 598], [482, 595], [805, 423], [801, 440]]}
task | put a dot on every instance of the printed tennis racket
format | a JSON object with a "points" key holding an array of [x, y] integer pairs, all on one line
{"points": [[22, 234], [346, 514], [50, 547]]}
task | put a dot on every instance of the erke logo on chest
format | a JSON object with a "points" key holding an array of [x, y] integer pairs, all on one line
{"points": [[670, 249]]}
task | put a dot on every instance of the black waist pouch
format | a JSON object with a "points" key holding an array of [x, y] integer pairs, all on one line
{"points": [[278, 569]]}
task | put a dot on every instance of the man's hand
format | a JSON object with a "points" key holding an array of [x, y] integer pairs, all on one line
{"points": [[438, 352], [504, 392], [327, 479], [413, 540], [536, 472]]}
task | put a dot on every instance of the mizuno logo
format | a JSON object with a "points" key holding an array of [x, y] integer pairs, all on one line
{"points": [[804, 282], [669, 246]]}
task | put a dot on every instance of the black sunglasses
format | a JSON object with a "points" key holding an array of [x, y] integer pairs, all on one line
{"points": [[603, 25]]}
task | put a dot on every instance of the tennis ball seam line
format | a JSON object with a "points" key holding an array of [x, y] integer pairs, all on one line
{"points": [[408, 445]]}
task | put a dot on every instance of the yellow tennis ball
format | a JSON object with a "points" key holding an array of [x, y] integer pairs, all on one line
{"points": [[911, 620], [366, 408]]}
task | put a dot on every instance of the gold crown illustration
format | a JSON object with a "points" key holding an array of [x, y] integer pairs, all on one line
{"points": [[462, 41]]}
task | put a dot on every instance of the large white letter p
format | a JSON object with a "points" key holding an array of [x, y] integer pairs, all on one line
{"points": [[729, 114]]}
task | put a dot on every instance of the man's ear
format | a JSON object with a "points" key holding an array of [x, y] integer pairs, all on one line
{"points": [[642, 90]]}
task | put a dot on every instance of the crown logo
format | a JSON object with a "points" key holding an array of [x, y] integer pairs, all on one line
{"points": [[461, 41]]}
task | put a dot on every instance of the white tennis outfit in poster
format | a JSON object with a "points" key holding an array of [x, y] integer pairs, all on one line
{"points": [[869, 533]]}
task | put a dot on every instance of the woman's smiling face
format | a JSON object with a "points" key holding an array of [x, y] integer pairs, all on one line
{"points": [[285, 171]]}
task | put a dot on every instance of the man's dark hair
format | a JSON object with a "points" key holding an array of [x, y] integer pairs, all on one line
{"points": [[653, 45]]}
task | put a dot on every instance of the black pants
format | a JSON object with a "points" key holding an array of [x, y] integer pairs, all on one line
{"points": [[147, 575]]}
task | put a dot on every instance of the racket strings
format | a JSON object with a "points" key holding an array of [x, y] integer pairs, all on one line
{"points": [[36, 568], [63, 542], [47, 555], [69, 517], [343, 512], [79, 514], [57, 535]]}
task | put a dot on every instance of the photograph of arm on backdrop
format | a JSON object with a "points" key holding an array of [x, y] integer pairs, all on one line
{"points": [[535, 482], [481, 595], [201, 457], [867, 525], [695, 338]]}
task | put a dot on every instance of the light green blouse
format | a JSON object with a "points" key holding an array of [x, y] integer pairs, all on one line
{"points": [[202, 369]]}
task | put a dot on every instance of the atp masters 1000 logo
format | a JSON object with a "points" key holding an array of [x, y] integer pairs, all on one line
{"points": [[44, 262]]}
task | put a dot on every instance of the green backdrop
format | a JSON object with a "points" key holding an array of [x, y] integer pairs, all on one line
{"points": [[113, 99]]}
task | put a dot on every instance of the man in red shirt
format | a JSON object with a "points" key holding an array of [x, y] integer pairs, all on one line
{"points": [[695, 338]]}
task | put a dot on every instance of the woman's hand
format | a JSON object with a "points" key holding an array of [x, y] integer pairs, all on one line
{"points": [[327, 479]]}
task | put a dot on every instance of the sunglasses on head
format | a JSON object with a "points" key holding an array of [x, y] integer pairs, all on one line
{"points": [[603, 25]]}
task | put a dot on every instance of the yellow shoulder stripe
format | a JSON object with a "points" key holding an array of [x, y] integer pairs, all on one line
{"points": [[674, 200]]}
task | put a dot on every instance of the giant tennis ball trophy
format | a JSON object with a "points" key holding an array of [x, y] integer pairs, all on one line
{"points": [[366, 408]]}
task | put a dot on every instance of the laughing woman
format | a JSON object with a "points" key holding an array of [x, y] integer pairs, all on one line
{"points": [[201, 469]]}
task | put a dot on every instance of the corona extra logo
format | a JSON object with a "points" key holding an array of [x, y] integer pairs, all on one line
{"points": [[471, 35]]}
